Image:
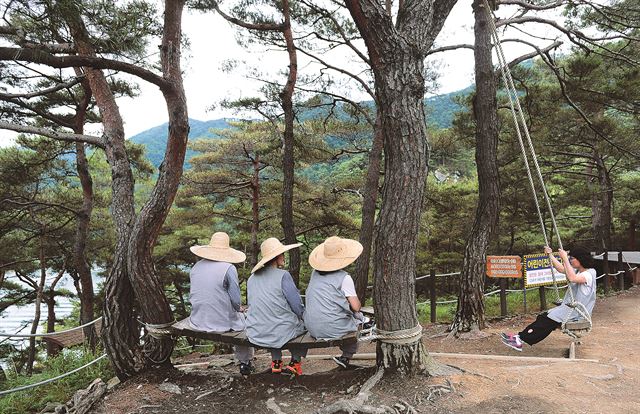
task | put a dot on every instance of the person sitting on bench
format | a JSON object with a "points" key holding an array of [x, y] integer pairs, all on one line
{"points": [[215, 293], [275, 307], [579, 271], [332, 305]]}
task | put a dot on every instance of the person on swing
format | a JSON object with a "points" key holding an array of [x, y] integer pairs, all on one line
{"points": [[578, 268]]}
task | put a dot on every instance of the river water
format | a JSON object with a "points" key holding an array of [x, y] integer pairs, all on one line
{"points": [[14, 318]]}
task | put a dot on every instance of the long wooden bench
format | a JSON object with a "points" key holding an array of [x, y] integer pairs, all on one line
{"points": [[182, 328]]}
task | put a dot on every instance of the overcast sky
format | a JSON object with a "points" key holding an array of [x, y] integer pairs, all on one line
{"points": [[212, 42]]}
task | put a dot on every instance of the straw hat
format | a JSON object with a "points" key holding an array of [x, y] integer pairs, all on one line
{"points": [[335, 253], [272, 248], [218, 249]]}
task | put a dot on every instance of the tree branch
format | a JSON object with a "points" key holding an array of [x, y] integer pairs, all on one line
{"points": [[450, 47], [42, 92], [45, 58], [62, 136]]}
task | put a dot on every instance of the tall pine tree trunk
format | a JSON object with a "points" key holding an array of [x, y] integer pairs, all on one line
{"points": [[288, 163], [255, 211], [361, 275], [132, 278], [38, 304], [82, 223], [397, 51], [599, 184], [470, 311]]}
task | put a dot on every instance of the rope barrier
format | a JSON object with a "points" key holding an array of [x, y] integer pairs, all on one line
{"points": [[37, 384], [49, 334]]}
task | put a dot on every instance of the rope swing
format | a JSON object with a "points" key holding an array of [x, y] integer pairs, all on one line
{"points": [[521, 127]]}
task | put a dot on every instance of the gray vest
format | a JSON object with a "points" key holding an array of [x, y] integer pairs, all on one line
{"points": [[270, 321], [211, 308], [328, 315], [588, 299]]}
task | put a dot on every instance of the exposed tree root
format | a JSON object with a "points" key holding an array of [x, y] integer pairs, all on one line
{"points": [[434, 391], [433, 368], [358, 403]]}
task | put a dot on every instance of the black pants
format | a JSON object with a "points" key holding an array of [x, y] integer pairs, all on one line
{"points": [[539, 329]]}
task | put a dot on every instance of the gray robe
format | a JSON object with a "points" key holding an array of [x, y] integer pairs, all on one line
{"points": [[211, 308], [271, 322], [328, 315]]}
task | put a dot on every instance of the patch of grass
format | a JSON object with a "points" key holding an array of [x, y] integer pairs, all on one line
{"points": [[34, 399], [515, 305], [444, 312]]}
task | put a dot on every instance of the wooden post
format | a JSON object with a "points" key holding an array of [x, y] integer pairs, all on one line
{"points": [[503, 297], [620, 275], [524, 295], [432, 294], [543, 298], [605, 269]]}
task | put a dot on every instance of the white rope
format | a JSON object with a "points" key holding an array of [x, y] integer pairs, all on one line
{"points": [[37, 384], [399, 337], [512, 94], [426, 276], [44, 335]]}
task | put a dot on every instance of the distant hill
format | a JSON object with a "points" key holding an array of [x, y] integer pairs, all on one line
{"points": [[440, 112], [155, 139]]}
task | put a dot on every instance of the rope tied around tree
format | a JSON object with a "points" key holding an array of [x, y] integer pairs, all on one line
{"points": [[399, 337], [158, 330]]}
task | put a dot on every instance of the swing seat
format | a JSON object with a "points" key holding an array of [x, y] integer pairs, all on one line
{"points": [[578, 325], [577, 328]]}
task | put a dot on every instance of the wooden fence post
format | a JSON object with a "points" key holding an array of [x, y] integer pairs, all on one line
{"points": [[503, 297], [620, 275], [605, 269], [524, 295], [432, 294], [543, 298]]}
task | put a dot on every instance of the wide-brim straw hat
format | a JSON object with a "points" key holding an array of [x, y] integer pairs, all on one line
{"points": [[270, 249], [218, 249], [334, 254]]}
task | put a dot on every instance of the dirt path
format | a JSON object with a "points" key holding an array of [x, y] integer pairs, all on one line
{"points": [[611, 385]]}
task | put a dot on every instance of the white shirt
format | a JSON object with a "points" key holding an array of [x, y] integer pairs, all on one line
{"points": [[590, 277], [348, 287]]}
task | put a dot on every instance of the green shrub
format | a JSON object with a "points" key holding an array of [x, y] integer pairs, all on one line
{"points": [[34, 399]]}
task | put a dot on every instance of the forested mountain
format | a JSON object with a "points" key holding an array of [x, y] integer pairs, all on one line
{"points": [[440, 112], [155, 139]]}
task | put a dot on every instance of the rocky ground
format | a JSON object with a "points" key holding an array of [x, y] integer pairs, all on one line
{"points": [[609, 382]]}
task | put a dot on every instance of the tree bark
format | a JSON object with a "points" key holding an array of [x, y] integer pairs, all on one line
{"points": [[470, 310], [288, 163], [255, 210], [82, 224], [397, 53], [132, 275], [631, 239], [601, 201], [150, 296], [370, 198], [118, 329], [38, 304]]}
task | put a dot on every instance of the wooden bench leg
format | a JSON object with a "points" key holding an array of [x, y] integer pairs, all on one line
{"points": [[572, 350]]}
